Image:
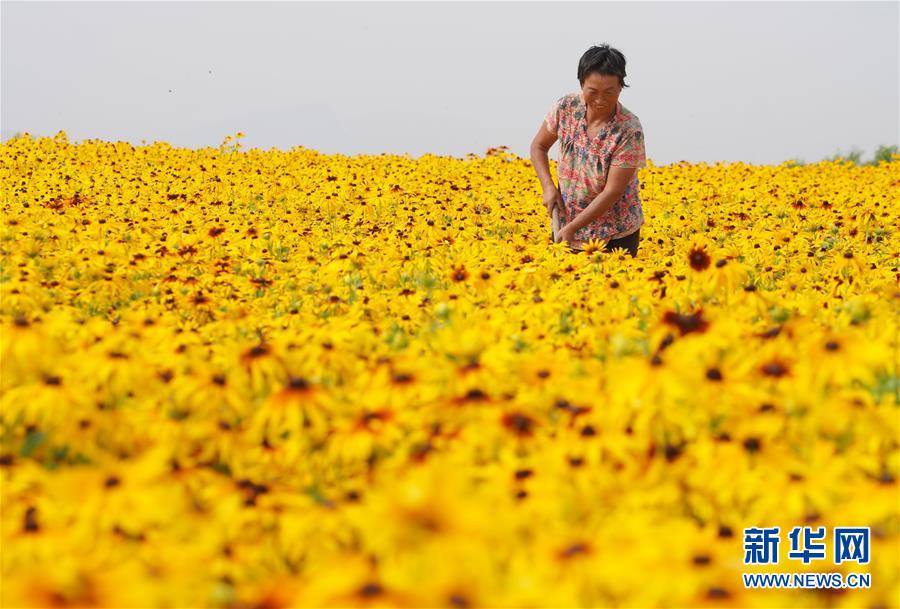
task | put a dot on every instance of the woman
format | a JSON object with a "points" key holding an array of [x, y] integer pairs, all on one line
{"points": [[601, 149]]}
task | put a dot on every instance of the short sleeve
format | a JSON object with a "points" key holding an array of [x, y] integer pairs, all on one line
{"points": [[630, 152], [552, 116]]}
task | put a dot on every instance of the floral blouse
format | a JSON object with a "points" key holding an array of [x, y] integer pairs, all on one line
{"points": [[584, 166]]}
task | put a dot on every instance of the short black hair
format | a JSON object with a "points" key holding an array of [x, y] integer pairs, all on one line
{"points": [[603, 60]]}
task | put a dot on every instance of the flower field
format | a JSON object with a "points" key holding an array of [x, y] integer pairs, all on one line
{"points": [[266, 379]]}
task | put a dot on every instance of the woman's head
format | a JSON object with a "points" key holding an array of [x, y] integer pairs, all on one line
{"points": [[601, 72], [603, 60]]}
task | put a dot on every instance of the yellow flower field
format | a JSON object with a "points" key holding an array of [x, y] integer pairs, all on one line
{"points": [[266, 379]]}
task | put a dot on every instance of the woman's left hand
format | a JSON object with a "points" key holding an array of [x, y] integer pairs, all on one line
{"points": [[565, 234]]}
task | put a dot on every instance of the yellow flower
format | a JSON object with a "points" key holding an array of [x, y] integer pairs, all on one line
{"points": [[592, 246]]}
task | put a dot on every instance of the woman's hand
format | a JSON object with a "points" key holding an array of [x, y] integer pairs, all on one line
{"points": [[553, 198], [566, 233]]}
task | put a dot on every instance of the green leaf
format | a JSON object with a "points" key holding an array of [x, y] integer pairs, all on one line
{"points": [[32, 441]]}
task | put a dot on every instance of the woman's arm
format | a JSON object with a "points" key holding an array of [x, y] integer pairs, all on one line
{"points": [[540, 159], [616, 183]]}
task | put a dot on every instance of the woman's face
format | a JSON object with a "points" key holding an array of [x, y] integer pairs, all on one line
{"points": [[601, 92]]}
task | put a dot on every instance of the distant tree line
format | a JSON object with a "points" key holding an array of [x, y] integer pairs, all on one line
{"points": [[883, 154]]}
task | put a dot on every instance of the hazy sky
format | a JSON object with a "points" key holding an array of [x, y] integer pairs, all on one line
{"points": [[759, 82]]}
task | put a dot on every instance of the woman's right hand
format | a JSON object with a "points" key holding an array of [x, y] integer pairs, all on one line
{"points": [[553, 198]]}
